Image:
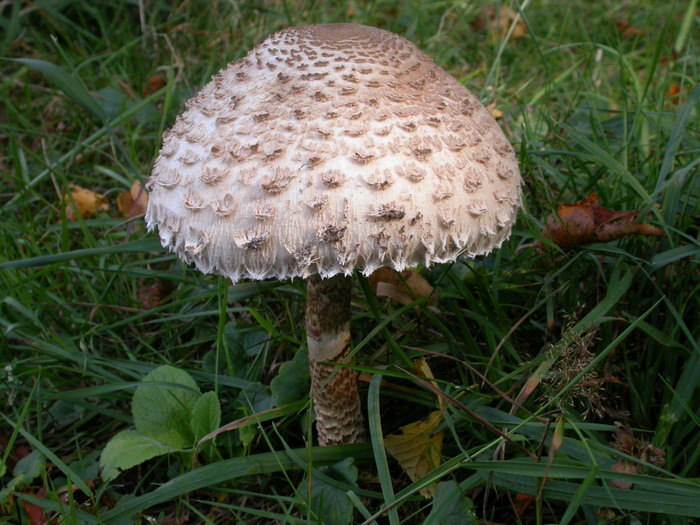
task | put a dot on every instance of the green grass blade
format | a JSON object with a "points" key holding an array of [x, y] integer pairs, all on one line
{"points": [[72, 87], [257, 464], [380, 458]]}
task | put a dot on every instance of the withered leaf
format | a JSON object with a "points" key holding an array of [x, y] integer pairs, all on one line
{"points": [[585, 222], [404, 287], [87, 203], [495, 113], [418, 449], [498, 22], [134, 203]]}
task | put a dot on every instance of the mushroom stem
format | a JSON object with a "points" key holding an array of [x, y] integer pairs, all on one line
{"points": [[333, 388]]}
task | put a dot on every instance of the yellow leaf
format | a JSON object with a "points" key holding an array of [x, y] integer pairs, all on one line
{"points": [[417, 449], [87, 203], [420, 367]]}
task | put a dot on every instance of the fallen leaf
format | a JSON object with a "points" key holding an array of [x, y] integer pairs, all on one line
{"points": [[134, 203], [421, 367], [498, 23], [585, 222], [404, 287], [627, 30], [35, 512], [521, 503], [87, 203], [495, 113], [418, 449], [627, 443], [625, 467], [674, 94], [155, 82], [152, 295]]}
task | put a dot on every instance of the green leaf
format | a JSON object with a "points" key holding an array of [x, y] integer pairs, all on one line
{"points": [[163, 406], [128, 449], [450, 506], [256, 398], [329, 501], [30, 466], [292, 381], [9, 488], [26, 469], [206, 415]]}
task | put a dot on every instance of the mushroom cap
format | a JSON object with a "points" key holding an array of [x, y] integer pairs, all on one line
{"points": [[330, 148]]}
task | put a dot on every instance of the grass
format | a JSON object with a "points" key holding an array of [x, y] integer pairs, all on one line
{"points": [[600, 99]]}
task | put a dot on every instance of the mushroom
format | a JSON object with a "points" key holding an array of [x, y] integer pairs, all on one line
{"points": [[331, 148]]}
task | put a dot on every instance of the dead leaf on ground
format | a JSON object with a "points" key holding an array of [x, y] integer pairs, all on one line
{"points": [[87, 203], [495, 113], [498, 22], [418, 449], [585, 222], [626, 29], [404, 287], [674, 94], [36, 513], [155, 82], [629, 444], [134, 203], [152, 294]]}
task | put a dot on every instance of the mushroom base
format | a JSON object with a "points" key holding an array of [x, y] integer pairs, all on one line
{"points": [[333, 388]]}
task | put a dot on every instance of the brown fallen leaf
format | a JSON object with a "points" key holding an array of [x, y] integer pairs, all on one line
{"points": [[87, 203], [498, 22], [152, 294], [586, 221], [134, 203], [155, 82], [627, 30], [627, 443], [495, 113], [404, 287], [418, 448]]}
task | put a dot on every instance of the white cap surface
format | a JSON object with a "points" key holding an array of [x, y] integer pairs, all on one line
{"points": [[329, 148]]}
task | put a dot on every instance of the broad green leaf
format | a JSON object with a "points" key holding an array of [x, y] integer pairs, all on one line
{"points": [[256, 398], [450, 506], [10, 486], [163, 406], [329, 503], [292, 381], [27, 469], [30, 466], [206, 415], [128, 449]]}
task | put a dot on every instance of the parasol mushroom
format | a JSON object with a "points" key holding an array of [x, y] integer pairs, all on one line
{"points": [[330, 148]]}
